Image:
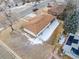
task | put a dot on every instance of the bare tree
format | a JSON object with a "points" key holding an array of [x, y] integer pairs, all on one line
{"points": [[8, 16]]}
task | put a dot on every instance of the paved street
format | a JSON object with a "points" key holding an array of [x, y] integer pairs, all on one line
{"points": [[29, 10]]}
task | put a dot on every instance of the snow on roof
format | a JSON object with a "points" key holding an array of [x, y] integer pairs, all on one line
{"points": [[48, 32]]}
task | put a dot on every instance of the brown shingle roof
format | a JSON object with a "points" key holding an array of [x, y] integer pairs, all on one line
{"points": [[56, 9], [37, 23]]}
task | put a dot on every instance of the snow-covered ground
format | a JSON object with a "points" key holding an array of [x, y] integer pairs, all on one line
{"points": [[21, 8], [62, 40]]}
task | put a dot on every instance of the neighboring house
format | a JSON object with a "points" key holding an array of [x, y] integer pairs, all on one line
{"points": [[56, 9], [71, 46]]}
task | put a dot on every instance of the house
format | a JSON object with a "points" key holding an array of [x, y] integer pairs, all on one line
{"points": [[56, 9], [36, 24], [71, 46], [45, 28]]}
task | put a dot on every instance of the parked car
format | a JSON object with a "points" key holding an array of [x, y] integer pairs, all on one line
{"points": [[35, 8]]}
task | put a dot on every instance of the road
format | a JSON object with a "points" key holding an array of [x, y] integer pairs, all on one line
{"points": [[29, 10]]}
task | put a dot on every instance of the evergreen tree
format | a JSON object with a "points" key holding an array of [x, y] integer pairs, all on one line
{"points": [[71, 22]]}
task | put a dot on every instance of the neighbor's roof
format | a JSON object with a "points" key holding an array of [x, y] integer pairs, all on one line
{"points": [[58, 9], [36, 24], [72, 41]]}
